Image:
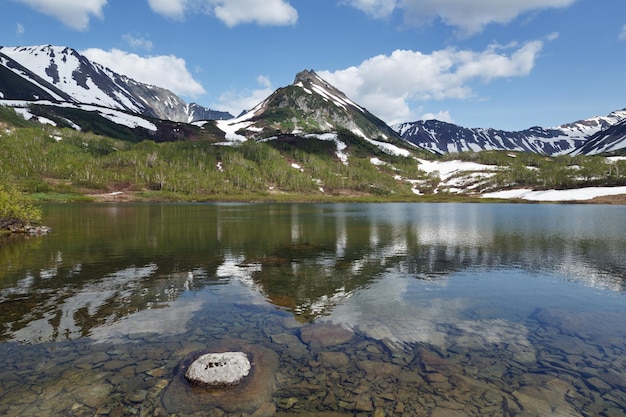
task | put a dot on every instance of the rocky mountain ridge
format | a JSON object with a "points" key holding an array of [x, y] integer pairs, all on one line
{"points": [[61, 74], [589, 136]]}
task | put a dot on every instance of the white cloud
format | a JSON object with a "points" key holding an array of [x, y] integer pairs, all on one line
{"points": [[470, 16], [170, 8], [267, 12], [552, 36], [231, 12], [622, 35], [165, 71], [72, 13], [138, 42], [236, 101], [387, 85], [443, 116], [19, 29]]}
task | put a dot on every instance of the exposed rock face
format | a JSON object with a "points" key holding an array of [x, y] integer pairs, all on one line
{"points": [[219, 370]]}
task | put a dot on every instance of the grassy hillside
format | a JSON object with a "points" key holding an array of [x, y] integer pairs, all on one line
{"points": [[52, 163]]}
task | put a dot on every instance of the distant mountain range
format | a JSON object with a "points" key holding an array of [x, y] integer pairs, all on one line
{"points": [[590, 136], [60, 86]]}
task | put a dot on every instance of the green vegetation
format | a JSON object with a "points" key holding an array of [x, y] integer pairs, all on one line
{"points": [[521, 169], [61, 164], [53, 163], [15, 211]]}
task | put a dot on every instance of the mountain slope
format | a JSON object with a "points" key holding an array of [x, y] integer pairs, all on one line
{"points": [[611, 139], [311, 107], [589, 136], [62, 74]]}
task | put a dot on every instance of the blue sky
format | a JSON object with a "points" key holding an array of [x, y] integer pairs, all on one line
{"points": [[506, 64]]}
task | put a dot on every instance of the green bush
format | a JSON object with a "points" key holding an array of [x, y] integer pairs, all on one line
{"points": [[15, 211]]}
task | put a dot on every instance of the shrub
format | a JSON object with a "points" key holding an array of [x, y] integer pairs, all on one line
{"points": [[15, 211]]}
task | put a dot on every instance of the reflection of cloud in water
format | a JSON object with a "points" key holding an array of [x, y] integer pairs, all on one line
{"points": [[171, 319], [574, 269], [382, 312], [234, 268], [444, 226], [174, 318], [60, 321]]}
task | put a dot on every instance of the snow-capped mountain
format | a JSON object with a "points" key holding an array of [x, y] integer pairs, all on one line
{"points": [[590, 136], [52, 76], [197, 112], [311, 106], [61, 74]]}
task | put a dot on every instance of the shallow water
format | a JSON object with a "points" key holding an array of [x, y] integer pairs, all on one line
{"points": [[348, 309]]}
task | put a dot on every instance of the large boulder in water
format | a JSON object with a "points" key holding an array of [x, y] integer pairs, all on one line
{"points": [[253, 392], [218, 370]]}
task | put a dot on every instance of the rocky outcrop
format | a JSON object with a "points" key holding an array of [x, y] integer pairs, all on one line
{"points": [[19, 227]]}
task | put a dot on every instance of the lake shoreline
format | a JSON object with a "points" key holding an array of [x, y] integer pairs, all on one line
{"points": [[141, 196]]}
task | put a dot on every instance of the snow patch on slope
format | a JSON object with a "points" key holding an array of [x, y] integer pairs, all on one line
{"points": [[579, 194]]}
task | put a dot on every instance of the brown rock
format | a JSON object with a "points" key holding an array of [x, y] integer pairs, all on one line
{"points": [[333, 359], [444, 412], [325, 335], [373, 369]]}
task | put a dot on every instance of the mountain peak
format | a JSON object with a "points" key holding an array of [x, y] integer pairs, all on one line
{"points": [[305, 76], [310, 105]]}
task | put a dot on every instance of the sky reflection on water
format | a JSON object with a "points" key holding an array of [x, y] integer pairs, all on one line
{"points": [[332, 261]]}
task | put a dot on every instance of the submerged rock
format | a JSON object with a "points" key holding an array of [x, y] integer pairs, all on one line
{"points": [[219, 370], [325, 335]]}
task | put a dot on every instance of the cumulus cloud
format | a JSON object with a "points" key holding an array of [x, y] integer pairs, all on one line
{"points": [[72, 13], [231, 12], [388, 85], [138, 42], [171, 8], [622, 35], [165, 71], [236, 101], [469, 16]]}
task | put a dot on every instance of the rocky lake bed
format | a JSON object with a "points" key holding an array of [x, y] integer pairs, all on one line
{"points": [[321, 369]]}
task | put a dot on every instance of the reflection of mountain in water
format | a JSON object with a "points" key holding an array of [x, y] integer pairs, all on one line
{"points": [[105, 263]]}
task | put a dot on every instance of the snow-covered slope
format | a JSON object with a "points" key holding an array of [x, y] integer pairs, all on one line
{"points": [[62, 74], [311, 107], [589, 136]]}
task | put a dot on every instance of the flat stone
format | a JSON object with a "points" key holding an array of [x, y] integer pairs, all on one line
{"points": [[375, 369], [333, 359], [444, 412], [285, 339], [94, 395], [325, 335], [219, 370]]}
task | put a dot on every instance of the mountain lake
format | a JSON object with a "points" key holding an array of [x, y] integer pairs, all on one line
{"points": [[434, 310]]}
